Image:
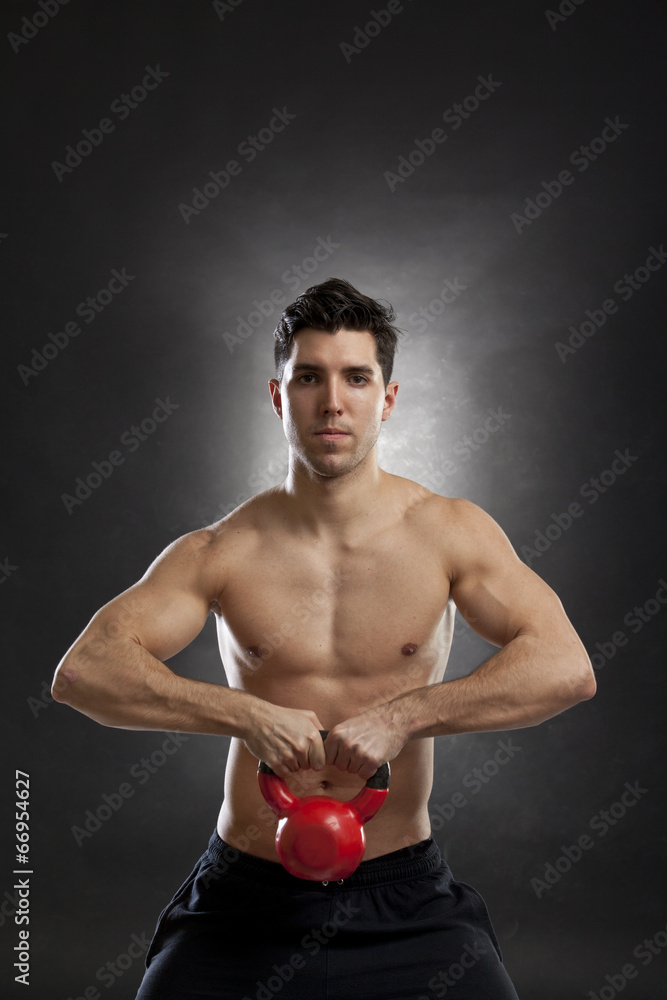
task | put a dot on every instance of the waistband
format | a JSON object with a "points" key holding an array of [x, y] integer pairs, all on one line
{"points": [[406, 863]]}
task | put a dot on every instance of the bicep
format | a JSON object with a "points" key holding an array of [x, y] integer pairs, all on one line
{"points": [[167, 608], [497, 594]]}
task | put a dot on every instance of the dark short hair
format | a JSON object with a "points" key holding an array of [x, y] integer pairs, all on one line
{"points": [[331, 306]]}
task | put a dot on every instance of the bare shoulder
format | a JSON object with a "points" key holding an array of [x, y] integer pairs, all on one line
{"points": [[463, 518], [185, 565], [452, 514], [247, 519], [465, 533], [236, 535], [199, 559]]}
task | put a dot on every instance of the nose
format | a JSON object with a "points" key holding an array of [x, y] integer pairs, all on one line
{"points": [[331, 397]]}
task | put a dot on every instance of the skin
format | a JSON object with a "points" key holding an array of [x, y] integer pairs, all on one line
{"points": [[334, 597]]}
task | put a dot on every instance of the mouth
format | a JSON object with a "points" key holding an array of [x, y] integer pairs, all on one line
{"points": [[331, 435]]}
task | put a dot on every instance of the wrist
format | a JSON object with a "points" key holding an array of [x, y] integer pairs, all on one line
{"points": [[411, 715], [397, 716], [245, 714]]}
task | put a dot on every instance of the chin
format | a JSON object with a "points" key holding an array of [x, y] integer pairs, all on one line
{"points": [[340, 471], [330, 468]]}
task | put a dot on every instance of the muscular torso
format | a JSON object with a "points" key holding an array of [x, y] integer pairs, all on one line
{"points": [[335, 628]]}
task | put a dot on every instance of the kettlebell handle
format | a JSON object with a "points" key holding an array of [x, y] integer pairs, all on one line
{"points": [[378, 780]]}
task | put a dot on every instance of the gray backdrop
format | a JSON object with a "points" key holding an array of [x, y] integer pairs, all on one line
{"points": [[177, 173]]}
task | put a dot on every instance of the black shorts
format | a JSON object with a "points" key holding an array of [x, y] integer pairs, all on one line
{"points": [[399, 928]]}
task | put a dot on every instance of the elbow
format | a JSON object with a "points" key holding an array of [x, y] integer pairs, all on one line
{"points": [[583, 682], [575, 684], [70, 687], [61, 686], [587, 687], [68, 683]]}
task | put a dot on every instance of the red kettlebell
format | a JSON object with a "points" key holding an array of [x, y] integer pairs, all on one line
{"points": [[318, 837]]}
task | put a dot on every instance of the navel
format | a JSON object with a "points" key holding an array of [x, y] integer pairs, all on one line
{"points": [[409, 649]]}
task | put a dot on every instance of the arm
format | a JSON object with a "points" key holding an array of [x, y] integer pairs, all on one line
{"points": [[114, 672], [541, 670]]}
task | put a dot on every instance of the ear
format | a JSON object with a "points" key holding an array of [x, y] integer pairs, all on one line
{"points": [[389, 400], [276, 398]]}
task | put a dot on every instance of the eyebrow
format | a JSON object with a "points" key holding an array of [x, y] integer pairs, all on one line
{"points": [[348, 369]]}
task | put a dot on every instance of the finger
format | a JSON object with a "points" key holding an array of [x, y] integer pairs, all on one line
{"points": [[312, 755], [353, 766], [343, 760], [288, 764], [315, 720], [330, 747], [281, 770], [302, 760], [318, 756]]}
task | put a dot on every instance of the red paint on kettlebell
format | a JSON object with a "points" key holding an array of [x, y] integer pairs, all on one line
{"points": [[318, 837]]}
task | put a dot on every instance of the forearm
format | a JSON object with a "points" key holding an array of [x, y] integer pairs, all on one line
{"points": [[118, 683], [523, 684]]}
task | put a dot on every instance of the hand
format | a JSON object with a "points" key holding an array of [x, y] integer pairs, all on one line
{"points": [[363, 743], [287, 739]]}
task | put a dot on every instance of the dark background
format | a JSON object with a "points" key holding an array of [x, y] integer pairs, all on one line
{"points": [[163, 338]]}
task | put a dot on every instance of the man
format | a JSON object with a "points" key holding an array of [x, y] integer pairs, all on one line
{"points": [[334, 596]]}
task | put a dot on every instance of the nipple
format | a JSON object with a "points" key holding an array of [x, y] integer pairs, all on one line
{"points": [[255, 652], [409, 649]]}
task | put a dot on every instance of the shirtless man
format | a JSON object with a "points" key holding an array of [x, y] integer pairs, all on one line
{"points": [[334, 596]]}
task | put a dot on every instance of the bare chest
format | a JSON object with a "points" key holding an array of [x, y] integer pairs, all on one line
{"points": [[297, 616]]}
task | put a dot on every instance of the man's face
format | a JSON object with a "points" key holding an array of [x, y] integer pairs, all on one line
{"points": [[332, 381]]}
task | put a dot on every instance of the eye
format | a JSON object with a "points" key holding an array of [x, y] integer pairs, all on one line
{"points": [[359, 377], [307, 375]]}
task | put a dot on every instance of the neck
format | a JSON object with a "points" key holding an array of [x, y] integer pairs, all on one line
{"points": [[334, 505]]}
